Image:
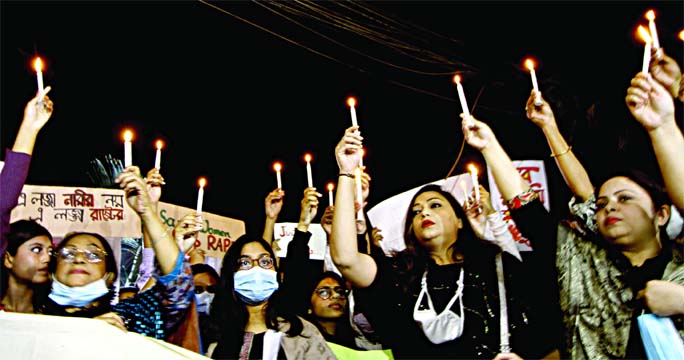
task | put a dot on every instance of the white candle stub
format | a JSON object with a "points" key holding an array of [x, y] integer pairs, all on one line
{"points": [[277, 168], [462, 99], [476, 185], [157, 158], [537, 97], [128, 148], [309, 177], [330, 193], [200, 195]]}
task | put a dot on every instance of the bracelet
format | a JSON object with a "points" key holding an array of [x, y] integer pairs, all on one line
{"points": [[562, 153], [347, 175]]}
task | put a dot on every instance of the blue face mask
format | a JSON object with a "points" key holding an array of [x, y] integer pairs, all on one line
{"points": [[204, 302], [255, 285], [78, 296]]}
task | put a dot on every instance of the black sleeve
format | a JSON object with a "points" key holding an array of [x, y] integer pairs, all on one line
{"points": [[300, 272]]}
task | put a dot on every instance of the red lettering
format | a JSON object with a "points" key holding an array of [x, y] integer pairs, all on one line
{"points": [[226, 244], [211, 242]]}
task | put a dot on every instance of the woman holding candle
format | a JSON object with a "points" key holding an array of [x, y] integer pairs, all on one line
{"points": [[84, 270], [606, 274], [438, 297]]}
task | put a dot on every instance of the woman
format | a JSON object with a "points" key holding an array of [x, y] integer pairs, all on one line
{"points": [[84, 272], [604, 277], [248, 308], [25, 267], [439, 296]]}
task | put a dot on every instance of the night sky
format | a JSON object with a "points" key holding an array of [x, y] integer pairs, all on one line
{"points": [[233, 86]]}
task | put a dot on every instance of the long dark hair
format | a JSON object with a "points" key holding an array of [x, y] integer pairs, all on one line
{"points": [[344, 335], [229, 313], [412, 261], [20, 232]]}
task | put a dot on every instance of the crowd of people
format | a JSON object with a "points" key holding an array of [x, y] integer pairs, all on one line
{"points": [[455, 291]]}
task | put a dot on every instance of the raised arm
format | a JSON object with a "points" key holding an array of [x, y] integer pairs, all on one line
{"points": [[360, 269], [273, 204], [652, 106], [573, 172]]}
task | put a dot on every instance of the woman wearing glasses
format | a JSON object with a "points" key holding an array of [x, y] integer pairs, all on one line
{"points": [[248, 307], [84, 271]]}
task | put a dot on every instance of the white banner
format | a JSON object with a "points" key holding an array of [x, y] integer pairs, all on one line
{"points": [[534, 172], [283, 233]]}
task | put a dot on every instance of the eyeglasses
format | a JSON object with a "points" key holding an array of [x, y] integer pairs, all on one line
{"points": [[200, 289], [68, 255], [326, 292], [246, 262]]}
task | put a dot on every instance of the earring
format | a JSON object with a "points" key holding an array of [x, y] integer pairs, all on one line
{"points": [[308, 311]]}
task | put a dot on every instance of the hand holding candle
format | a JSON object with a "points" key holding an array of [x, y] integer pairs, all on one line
{"points": [[537, 98], [464, 105], [476, 185], [128, 148], [650, 15], [359, 189], [309, 178], [200, 195], [352, 108], [277, 166], [363, 152], [643, 33], [157, 158], [38, 65], [331, 186]]}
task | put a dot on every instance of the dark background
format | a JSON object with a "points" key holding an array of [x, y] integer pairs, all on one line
{"points": [[233, 86]]}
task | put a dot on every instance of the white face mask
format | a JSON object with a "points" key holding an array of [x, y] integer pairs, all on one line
{"points": [[204, 302], [445, 326], [77, 295]]}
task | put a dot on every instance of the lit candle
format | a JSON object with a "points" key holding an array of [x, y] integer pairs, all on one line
{"points": [[461, 97], [681, 35], [331, 186], [537, 98], [476, 185], [277, 166], [650, 15], [128, 148], [309, 178], [647, 48], [200, 195], [157, 159], [363, 152], [352, 108], [38, 65], [359, 188]]}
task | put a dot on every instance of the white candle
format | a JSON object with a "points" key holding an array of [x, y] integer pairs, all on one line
{"points": [[330, 193], [352, 108], [461, 97], [359, 188], [309, 178], [476, 185], [157, 159], [537, 97], [647, 49], [277, 168], [200, 195], [363, 152], [650, 15], [128, 148], [38, 64]]}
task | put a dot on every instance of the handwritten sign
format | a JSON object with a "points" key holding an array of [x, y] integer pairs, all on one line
{"points": [[283, 233], [534, 172]]}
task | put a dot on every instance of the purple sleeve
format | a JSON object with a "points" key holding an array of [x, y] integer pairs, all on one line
{"points": [[12, 179]]}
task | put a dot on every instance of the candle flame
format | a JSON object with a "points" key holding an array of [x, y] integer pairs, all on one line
{"points": [[457, 79], [681, 35], [363, 152], [643, 33], [351, 101], [472, 169], [128, 135], [202, 181], [38, 64], [650, 15], [529, 63], [160, 144], [277, 166], [331, 186], [307, 157]]}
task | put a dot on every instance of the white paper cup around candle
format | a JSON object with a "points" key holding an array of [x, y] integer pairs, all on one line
{"points": [[537, 97], [128, 148], [157, 158], [462, 99], [200, 195], [309, 177], [476, 185], [643, 33], [352, 108], [331, 186], [38, 65], [277, 168], [650, 15]]}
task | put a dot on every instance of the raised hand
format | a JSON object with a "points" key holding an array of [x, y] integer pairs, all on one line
{"points": [[186, 230], [37, 112], [326, 219], [478, 135], [541, 115], [667, 72], [273, 203], [154, 182], [348, 150], [309, 206], [135, 189], [649, 102]]}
